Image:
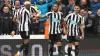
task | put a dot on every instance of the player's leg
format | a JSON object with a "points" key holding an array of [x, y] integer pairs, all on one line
{"points": [[51, 41], [26, 43], [76, 48], [26, 46], [76, 43], [70, 43], [21, 46], [59, 43]]}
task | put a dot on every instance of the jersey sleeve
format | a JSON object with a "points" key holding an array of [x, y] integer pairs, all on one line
{"points": [[34, 9], [67, 17], [82, 20], [15, 14], [47, 14], [62, 15]]}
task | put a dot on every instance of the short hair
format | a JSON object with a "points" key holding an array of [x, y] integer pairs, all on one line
{"points": [[84, 9], [77, 5], [27, 3]]}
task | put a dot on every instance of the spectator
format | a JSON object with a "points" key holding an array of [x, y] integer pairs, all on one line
{"points": [[6, 3], [96, 23], [61, 7], [95, 5], [84, 5], [87, 20], [1, 23], [7, 21], [43, 7], [70, 7]]}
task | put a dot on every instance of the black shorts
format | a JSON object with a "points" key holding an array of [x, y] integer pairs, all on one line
{"points": [[25, 34], [55, 37], [71, 39]]}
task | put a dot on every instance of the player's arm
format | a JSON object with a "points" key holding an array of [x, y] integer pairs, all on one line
{"points": [[63, 23], [40, 16], [15, 20], [43, 16], [82, 27], [37, 11], [13, 32]]}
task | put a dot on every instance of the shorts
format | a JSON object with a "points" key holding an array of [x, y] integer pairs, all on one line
{"points": [[71, 39], [55, 38], [25, 34]]}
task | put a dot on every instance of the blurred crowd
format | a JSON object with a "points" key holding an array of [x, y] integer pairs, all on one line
{"points": [[90, 11]]}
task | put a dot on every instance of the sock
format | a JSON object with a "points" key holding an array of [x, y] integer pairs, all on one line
{"points": [[69, 51], [59, 49], [51, 48], [26, 47], [21, 47], [76, 50], [26, 52]]}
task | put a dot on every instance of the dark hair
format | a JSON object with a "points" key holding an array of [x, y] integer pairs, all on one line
{"points": [[56, 4], [77, 5], [84, 9], [53, 5]]}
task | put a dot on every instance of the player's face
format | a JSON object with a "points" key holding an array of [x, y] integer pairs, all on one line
{"points": [[76, 9], [98, 12], [27, 6], [55, 7]]}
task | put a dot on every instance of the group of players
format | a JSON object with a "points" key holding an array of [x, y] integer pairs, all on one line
{"points": [[71, 26]]}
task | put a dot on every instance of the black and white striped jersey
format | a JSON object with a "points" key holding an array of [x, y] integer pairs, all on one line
{"points": [[55, 19], [23, 16], [74, 21], [31, 10]]}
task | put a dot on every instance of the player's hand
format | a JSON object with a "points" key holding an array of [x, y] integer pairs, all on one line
{"points": [[12, 33], [82, 36], [34, 14]]}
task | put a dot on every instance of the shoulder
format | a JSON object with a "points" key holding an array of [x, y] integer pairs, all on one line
{"points": [[70, 14], [60, 12], [49, 12]]}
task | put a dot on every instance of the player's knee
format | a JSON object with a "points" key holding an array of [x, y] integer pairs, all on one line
{"points": [[70, 44], [59, 44], [26, 41], [76, 43]]}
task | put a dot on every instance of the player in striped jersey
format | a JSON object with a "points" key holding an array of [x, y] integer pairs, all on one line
{"points": [[55, 18], [23, 19], [74, 22]]}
